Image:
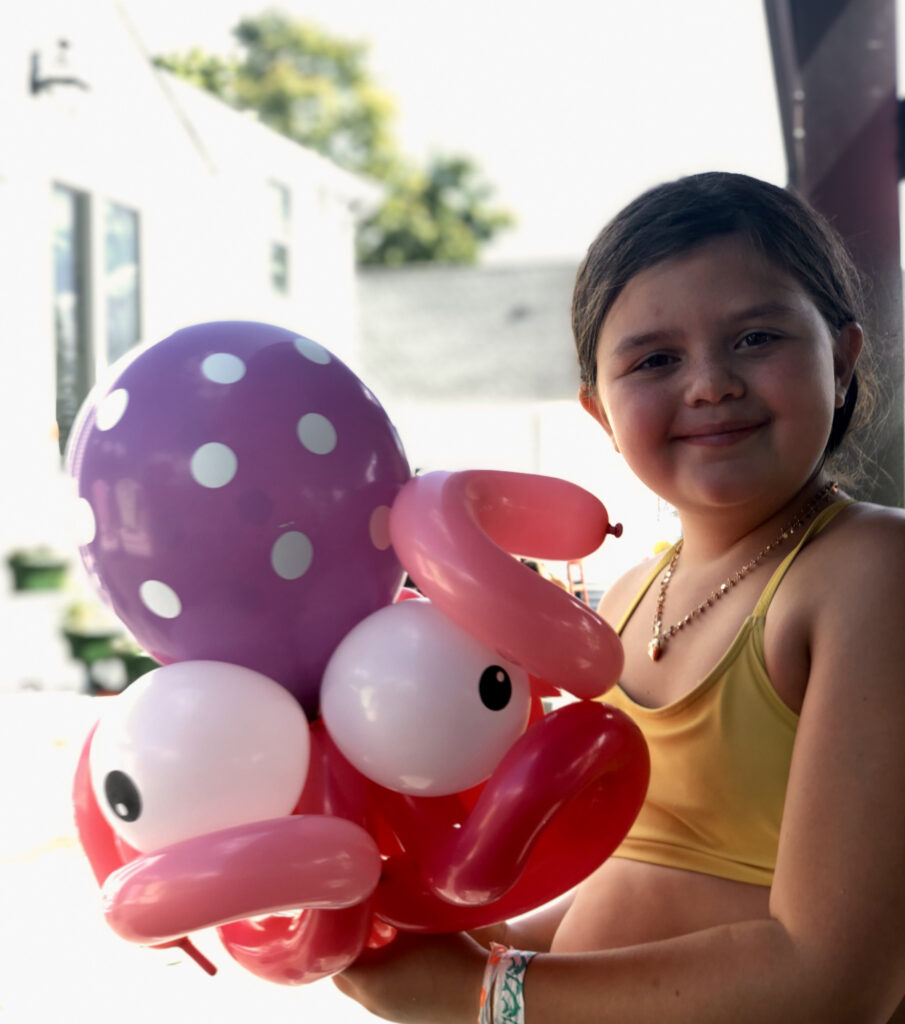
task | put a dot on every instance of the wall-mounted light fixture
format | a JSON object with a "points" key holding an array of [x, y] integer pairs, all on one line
{"points": [[58, 73]]}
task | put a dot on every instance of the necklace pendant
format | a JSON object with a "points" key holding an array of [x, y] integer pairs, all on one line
{"points": [[654, 649]]}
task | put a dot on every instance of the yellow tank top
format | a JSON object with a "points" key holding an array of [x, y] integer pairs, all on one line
{"points": [[719, 756]]}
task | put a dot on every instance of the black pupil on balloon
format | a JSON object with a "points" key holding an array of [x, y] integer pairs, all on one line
{"points": [[495, 687], [122, 796]]}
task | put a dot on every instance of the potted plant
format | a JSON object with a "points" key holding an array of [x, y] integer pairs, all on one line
{"points": [[110, 654], [136, 660], [90, 630], [38, 568]]}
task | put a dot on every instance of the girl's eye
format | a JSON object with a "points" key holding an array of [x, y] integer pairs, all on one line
{"points": [[655, 361], [755, 339]]}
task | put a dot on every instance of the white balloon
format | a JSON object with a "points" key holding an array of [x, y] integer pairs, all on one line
{"points": [[418, 705], [196, 747]]}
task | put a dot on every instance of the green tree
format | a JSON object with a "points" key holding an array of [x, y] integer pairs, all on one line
{"points": [[441, 212], [317, 89]]}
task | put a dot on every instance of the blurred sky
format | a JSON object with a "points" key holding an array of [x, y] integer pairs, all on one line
{"points": [[569, 107]]}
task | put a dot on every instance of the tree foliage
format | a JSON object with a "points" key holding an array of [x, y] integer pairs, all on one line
{"points": [[441, 212], [317, 89]]}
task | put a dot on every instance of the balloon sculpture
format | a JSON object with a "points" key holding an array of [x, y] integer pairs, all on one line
{"points": [[318, 763]]}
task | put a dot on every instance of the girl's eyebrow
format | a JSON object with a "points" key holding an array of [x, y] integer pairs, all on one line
{"points": [[759, 311], [765, 309], [634, 341]]}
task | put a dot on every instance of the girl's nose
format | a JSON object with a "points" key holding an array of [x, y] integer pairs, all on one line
{"points": [[711, 380]]}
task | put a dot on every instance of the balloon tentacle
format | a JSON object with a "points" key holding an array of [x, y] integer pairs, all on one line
{"points": [[316, 861], [455, 533], [576, 751], [530, 837], [299, 948]]}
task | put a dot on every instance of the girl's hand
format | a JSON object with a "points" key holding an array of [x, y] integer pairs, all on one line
{"points": [[419, 979]]}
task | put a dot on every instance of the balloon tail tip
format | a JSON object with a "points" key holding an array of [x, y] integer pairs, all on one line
{"points": [[190, 949]]}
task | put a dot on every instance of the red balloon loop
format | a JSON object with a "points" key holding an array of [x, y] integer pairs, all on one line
{"points": [[558, 805], [299, 948]]}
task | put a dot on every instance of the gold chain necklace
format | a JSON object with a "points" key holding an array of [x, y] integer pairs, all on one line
{"points": [[659, 640]]}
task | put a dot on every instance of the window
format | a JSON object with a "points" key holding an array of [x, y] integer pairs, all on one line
{"points": [[121, 279], [97, 312], [71, 313], [280, 209]]}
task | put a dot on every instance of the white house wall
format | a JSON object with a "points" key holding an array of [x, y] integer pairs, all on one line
{"points": [[195, 172]]}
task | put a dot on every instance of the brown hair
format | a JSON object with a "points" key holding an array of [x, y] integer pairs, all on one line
{"points": [[677, 217]]}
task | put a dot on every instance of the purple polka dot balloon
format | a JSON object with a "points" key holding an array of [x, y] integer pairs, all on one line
{"points": [[236, 480]]}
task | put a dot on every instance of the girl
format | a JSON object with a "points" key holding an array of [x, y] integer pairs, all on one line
{"points": [[717, 325]]}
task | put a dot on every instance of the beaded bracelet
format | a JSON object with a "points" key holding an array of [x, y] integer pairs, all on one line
{"points": [[503, 990]]}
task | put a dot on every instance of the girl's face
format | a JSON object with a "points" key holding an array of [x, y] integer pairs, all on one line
{"points": [[717, 378]]}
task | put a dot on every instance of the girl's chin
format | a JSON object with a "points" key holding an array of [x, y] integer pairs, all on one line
{"points": [[724, 489]]}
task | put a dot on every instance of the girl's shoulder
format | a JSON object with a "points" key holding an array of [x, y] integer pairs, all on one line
{"points": [[862, 549], [868, 535], [865, 511]]}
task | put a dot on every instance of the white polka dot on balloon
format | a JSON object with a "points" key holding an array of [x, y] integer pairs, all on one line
{"points": [[214, 464], [291, 555], [160, 599], [111, 409], [379, 527], [311, 350], [223, 368], [317, 433], [84, 523]]}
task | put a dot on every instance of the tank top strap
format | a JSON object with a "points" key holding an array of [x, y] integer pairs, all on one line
{"points": [[654, 573], [816, 526]]}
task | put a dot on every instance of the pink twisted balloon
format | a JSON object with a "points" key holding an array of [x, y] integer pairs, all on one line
{"points": [[452, 532]]}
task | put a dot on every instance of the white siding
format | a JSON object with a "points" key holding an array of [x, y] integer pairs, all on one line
{"points": [[197, 175]]}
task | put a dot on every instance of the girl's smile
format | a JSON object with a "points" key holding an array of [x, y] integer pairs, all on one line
{"points": [[719, 434]]}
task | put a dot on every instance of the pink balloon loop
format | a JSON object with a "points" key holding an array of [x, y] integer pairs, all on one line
{"points": [[455, 532], [314, 861]]}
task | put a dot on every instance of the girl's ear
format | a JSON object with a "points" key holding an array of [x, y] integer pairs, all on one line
{"points": [[591, 405], [846, 349]]}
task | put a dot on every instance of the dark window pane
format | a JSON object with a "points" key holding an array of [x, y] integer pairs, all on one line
{"points": [[280, 207], [121, 280], [279, 267], [74, 372]]}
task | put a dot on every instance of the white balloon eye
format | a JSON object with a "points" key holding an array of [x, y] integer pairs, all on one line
{"points": [[418, 705], [196, 747]]}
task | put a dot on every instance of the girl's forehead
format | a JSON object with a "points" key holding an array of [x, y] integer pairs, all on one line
{"points": [[722, 277]]}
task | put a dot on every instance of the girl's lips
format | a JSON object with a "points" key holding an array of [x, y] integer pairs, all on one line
{"points": [[720, 435]]}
